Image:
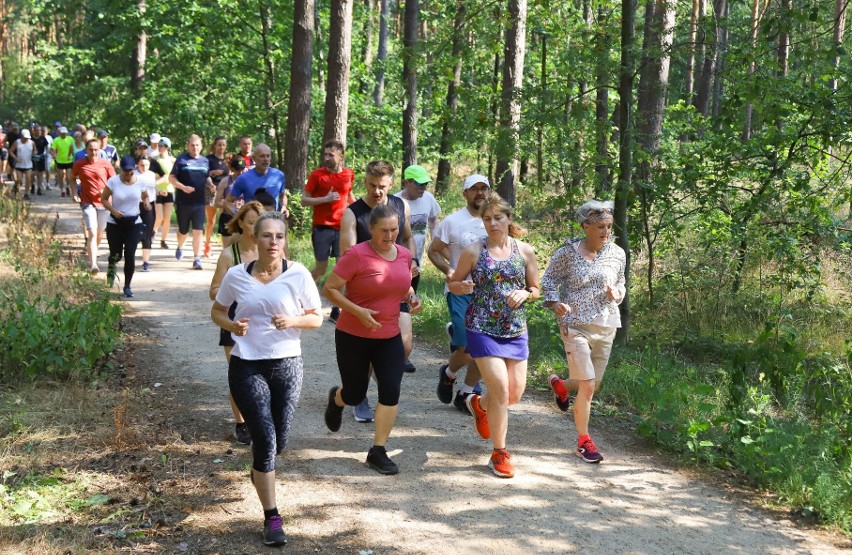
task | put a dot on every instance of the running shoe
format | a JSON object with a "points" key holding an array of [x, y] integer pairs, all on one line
{"points": [[178, 253], [458, 401], [196, 264], [206, 250], [563, 398], [335, 314], [146, 267], [501, 464], [164, 245], [445, 385], [409, 367], [333, 413], [378, 460], [273, 531], [128, 292], [26, 196], [95, 270], [242, 435], [480, 417], [39, 193], [62, 194], [362, 411], [588, 451]]}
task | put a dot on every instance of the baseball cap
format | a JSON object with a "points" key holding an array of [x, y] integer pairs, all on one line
{"points": [[127, 163], [475, 179], [416, 173], [57, 123], [103, 133], [166, 142], [63, 129], [26, 134], [155, 137], [140, 143]]}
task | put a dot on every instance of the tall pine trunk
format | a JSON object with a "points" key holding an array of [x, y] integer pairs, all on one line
{"points": [[140, 54], [409, 71], [273, 130], [602, 126], [339, 58], [711, 58], [452, 100], [299, 106], [757, 10], [382, 55]]}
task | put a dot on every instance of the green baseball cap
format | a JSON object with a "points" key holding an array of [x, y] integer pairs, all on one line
{"points": [[418, 174]]}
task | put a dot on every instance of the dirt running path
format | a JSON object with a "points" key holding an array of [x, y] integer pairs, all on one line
{"points": [[444, 500]]}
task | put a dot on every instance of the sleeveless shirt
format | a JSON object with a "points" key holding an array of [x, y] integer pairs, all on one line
{"points": [[362, 218], [493, 279]]}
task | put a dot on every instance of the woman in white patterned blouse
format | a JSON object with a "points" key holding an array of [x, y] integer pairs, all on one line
{"points": [[583, 285]]}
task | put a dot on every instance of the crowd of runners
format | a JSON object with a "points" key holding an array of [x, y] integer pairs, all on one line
{"points": [[262, 300]]}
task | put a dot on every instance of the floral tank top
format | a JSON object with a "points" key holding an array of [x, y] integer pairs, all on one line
{"points": [[492, 280]]}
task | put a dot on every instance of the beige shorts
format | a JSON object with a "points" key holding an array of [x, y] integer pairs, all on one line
{"points": [[587, 348]]}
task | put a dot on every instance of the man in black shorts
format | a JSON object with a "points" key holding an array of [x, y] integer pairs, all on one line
{"points": [[189, 177]]}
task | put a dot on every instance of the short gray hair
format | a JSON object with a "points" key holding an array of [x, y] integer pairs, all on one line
{"points": [[594, 210], [273, 215]]}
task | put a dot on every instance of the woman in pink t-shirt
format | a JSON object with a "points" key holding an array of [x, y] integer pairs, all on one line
{"points": [[377, 276]]}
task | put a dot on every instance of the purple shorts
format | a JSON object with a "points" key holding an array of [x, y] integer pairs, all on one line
{"points": [[484, 345]]}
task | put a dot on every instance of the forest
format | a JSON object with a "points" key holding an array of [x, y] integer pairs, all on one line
{"points": [[722, 129]]}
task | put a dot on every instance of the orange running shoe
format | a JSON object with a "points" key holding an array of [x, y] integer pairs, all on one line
{"points": [[500, 464], [479, 415], [563, 399], [206, 250]]}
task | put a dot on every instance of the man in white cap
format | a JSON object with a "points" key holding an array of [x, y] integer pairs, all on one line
{"points": [[458, 230], [22, 153], [154, 149]]}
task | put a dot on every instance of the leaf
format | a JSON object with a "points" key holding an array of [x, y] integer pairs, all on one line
{"points": [[746, 440], [98, 499]]}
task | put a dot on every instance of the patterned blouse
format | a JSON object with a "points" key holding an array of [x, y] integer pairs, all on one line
{"points": [[581, 284], [492, 280]]}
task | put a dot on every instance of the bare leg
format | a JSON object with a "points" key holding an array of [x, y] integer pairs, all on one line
{"points": [[506, 382], [264, 485], [210, 213], [319, 270], [196, 242], [407, 333], [385, 419], [167, 220], [583, 405]]}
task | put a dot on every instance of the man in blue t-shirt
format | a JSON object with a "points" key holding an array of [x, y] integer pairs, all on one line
{"points": [[189, 177], [262, 176], [108, 151]]}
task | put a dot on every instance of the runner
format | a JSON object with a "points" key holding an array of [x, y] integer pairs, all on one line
{"points": [[189, 176], [108, 151], [13, 135], [62, 150], [242, 251], [4, 157], [154, 149], [218, 171], [165, 192], [22, 153], [276, 299], [459, 230], [147, 212], [123, 197], [246, 150], [93, 173], [261, 176], [238, 167]]}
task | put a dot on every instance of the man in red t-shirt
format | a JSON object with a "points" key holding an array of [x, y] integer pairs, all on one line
{"points": [[329, 192], [93, 173]]}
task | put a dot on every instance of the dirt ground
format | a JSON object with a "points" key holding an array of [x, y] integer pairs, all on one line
{"points": [[443, 501]]}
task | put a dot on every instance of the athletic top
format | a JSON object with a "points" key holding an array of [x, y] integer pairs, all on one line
{"points": [[24, 154], [64, 149], [125, 198], [191, 172], [420, 212], [40, 146], [110, 153], [147, 180], [166, 164], [292, 293], [493, 279], [362, 218], [217, 163], [249, 182], [93, 178], [375, 283], [320, 183], [458, 230]]}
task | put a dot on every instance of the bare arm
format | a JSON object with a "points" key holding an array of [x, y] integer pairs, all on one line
{"points": [[310, 320], [219, 315], [456, 281], [105, 196], [222, 267], [348, 235], [333, 291], [438, 254]]}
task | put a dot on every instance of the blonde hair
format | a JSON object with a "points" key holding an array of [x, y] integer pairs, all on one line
{"points": [[497, 205], [233, 226], [594, 211]]}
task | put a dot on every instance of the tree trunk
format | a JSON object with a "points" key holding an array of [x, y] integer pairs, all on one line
{"points": [[718, 82], [140, 54], [783, 53], [495, 107], [625, 155], [409, 71], [510, 114], [756, 15], [273, 129], [602, 126], [426, 92], [369, 23], [839, 26], [382, 55], [708, 72], [299, 106], [452, 100], [689, 84], [539, 154], [337, 91]]}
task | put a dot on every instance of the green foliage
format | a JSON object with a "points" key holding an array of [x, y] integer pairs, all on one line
{"points": [[36, 497]]}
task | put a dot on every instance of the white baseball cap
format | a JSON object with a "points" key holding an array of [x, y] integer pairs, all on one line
{"points": [[474, 180], [155, 137], [26, 134]]}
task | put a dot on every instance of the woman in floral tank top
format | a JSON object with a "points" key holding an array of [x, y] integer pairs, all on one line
{"points": [[504, 276]]}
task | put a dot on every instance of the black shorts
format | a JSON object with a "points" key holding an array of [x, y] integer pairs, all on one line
{"points": [[40, 165], [224, 218], [225, 337], [24, 170], [4, 154], [63, 166], [326, 242], [190, 215], [355, 356], [170, 198]]}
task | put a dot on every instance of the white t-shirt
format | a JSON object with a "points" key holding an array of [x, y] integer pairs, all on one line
{"points": [[292, 293], [422, 210], [459, 230], [149, 183], [125, 198]]}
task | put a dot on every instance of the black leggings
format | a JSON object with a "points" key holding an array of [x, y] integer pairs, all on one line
{"points": [[267, 393], [124, 236], [148, 217], [354, 357]]}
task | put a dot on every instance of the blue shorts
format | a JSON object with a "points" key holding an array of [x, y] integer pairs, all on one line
{"points": [[190, 214], [457, 305]]}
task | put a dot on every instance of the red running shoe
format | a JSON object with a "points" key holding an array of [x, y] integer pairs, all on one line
{"points": [[500, 464], [563, 399], [588, 451], [480, 417]]}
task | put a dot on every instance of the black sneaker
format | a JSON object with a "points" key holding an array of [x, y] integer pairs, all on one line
{"points": [[409, 367], [164, 245], [241, 433], [445, 385], [335, 314], [459, 403], [273, 531], [333, 413], [378, 460]]}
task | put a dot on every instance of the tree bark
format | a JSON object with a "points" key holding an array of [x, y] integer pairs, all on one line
{"points": [[837, 36], [756, 15], [409, 71], [273, 130], [625, 155], [783, 52], [539, 154], [446, 147], [507, 167], [369, 23], [140, 54], [337, 90], [689, 74], [602, 125], [299, 105], [382, 55], [721, 62], [708, 73]]}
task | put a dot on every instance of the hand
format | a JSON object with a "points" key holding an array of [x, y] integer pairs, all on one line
{"points": [[415, 305], [282, 322], [461, 287], [147, 206], [449, 273], [217, 173], [117, 214], [162, 193], [516, 297], [211, 187], [188, 190], [240, 327], [560, 309], [332, 196], [612, 293], [415, 268], [365, 316]]}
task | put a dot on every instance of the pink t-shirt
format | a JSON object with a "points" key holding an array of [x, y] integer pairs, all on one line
{"points": [[375, 283]]}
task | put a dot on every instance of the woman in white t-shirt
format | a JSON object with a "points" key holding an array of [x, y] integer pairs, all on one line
{"points": [[122, 197], [276, 299], [148, 180]]}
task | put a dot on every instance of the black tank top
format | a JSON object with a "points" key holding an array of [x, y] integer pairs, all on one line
{"points": [[362, 218]]}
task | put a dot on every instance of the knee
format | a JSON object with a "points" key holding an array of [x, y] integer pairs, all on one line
{"points": [[515, 397], [587, 388]]}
